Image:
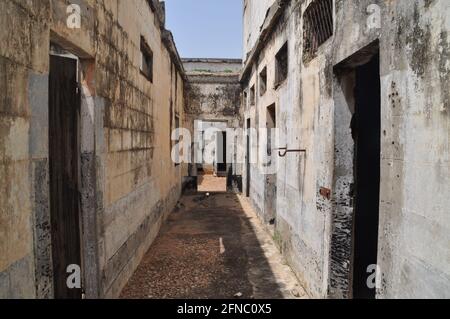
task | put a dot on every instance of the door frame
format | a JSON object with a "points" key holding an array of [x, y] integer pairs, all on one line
{"points": [[75, 126], [90, 157], [340, 281]]}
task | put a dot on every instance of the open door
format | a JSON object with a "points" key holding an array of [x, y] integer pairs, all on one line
{"points": [[221, 152], [64, 154]]}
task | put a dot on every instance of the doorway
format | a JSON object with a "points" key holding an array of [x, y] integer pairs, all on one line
{"points": [[356, 180], [271, 178], [248, 159], [64, 162], [221, 147], [366, 131]]}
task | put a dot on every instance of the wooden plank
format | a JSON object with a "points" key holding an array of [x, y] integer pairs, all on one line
{"points": [[64, 112]]}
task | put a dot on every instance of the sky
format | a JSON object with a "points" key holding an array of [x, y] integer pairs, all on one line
{"points": [[206, 28]]}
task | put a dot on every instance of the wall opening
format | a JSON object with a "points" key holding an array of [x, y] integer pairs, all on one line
{"points": [[356, 190], [221, 146], [263, 81], [281, 65], [179, 151], [366, 131], [248, 159], [146, 60], [271, 179], [271, 123], [245, 99], [317, 27], [64, 161], [252, 96]]}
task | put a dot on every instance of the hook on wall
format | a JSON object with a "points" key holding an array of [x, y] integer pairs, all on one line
{"points": [[282, 152]]}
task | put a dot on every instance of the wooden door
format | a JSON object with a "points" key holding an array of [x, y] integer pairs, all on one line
{"points": [[64, 154]]}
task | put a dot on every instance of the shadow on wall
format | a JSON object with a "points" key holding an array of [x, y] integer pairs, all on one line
{"points": [[207, 249]]}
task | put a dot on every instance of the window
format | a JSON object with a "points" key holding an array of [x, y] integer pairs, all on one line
{"points": [[281, 66], [245, 99], [146, 60], [263, 82], [317, 27], [252, 96]]}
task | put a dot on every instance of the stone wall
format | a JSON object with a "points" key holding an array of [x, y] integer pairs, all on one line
{"points": [[313, 113], [214, 98], [129, 183]]}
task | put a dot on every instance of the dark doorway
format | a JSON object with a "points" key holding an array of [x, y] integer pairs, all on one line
{"points": [[64, 153], [271, 178], [366, 128], [222, 151], [247, 160]]}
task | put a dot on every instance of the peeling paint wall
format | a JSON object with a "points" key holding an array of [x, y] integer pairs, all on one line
{"points": [[314, 113], [214, 98], [129, 182]]}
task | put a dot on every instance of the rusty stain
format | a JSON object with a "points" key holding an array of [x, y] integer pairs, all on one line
{"points": [[325, 192]]}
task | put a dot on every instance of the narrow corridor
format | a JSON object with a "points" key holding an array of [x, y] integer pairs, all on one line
{"points": [[213, 247]]}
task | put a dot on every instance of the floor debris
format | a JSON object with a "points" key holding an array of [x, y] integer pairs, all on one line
{"points": [[212, 252]]}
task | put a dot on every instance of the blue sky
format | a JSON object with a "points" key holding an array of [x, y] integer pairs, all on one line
{"points": [[206, 28]]}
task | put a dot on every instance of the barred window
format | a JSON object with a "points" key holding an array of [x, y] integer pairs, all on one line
{"points": [[317, 27]]}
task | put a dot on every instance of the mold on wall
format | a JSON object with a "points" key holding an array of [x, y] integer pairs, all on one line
{"points": [[314, 111], [214, 95], [123, 125]]}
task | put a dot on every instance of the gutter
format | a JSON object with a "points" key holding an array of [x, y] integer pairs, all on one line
{"points": [[169, 43], [272, 17]]}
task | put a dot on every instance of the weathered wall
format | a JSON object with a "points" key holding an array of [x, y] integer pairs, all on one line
{"points": [[254, 14], [129, 181], [223, 66], [313, 113], [213, 95]]}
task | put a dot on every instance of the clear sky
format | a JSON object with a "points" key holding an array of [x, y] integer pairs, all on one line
{"points": [[206, 28]]}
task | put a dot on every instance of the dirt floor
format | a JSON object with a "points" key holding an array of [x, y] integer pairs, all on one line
{"points": [[213, 247], [210, 183]]}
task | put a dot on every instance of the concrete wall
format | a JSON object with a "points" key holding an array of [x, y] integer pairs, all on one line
{"points": [[213, 95], [205, 66], [129, 181], [313, 113]]}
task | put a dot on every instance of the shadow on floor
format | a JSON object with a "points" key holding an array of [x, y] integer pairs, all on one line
{"points": [[208, 249]]}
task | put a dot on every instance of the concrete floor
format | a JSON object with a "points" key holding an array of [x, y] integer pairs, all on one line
{"points": [[213, 247]]}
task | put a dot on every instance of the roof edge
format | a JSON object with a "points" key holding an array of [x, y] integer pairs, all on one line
{"points": [[159, 9], [211, 60], [272, 17]]}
